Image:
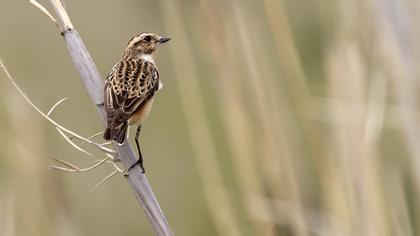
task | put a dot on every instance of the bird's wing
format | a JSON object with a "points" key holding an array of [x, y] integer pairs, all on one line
{"points": [[129, 85]]}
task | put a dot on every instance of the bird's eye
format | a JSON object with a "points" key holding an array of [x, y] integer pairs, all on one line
{"points": [[147, 38]]}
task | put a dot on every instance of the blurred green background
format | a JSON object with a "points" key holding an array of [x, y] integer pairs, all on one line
{"points": [[277, 117]]}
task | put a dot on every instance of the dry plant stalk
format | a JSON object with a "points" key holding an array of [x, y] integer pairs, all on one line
{"points": [[217, 197], [94, 86]]}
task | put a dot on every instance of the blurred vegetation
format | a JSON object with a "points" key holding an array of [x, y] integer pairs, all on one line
{"points": [[277, 117]]}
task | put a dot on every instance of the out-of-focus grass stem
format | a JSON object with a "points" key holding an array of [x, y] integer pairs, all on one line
{"points": [[237, 123], [201, 138], [275, 148]]}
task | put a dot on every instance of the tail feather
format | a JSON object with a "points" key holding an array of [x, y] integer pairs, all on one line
{"points": [[117, 134]]}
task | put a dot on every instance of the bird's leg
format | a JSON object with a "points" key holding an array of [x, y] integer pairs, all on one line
{"points": [[140, 160]]}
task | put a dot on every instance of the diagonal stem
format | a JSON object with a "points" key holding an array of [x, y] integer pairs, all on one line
{"points": [[94, 86]]}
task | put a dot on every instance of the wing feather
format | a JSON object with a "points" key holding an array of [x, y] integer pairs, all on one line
{"points": [[128, 87]]}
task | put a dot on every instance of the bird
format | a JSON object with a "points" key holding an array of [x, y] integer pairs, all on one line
{"points": [[130, 88]]}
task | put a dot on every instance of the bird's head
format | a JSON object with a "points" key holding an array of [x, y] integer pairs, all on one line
{"points": [[144, 45]]}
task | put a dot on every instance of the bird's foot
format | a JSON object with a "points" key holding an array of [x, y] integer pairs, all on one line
{"points": [[138, 162]]}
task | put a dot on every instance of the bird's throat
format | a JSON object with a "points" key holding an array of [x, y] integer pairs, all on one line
{"points": [[148, 57]]}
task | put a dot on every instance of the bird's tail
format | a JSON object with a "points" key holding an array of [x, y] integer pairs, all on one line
{"points": [[117, 134]]}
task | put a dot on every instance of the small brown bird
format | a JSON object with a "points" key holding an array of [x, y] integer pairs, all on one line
{"points": [[130, 88]]}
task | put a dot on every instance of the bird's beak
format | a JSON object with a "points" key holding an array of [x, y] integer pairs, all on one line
{"points": [[163, 40]]}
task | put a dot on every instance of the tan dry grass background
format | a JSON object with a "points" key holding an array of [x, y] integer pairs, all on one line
{"points": [[276, 118]]}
